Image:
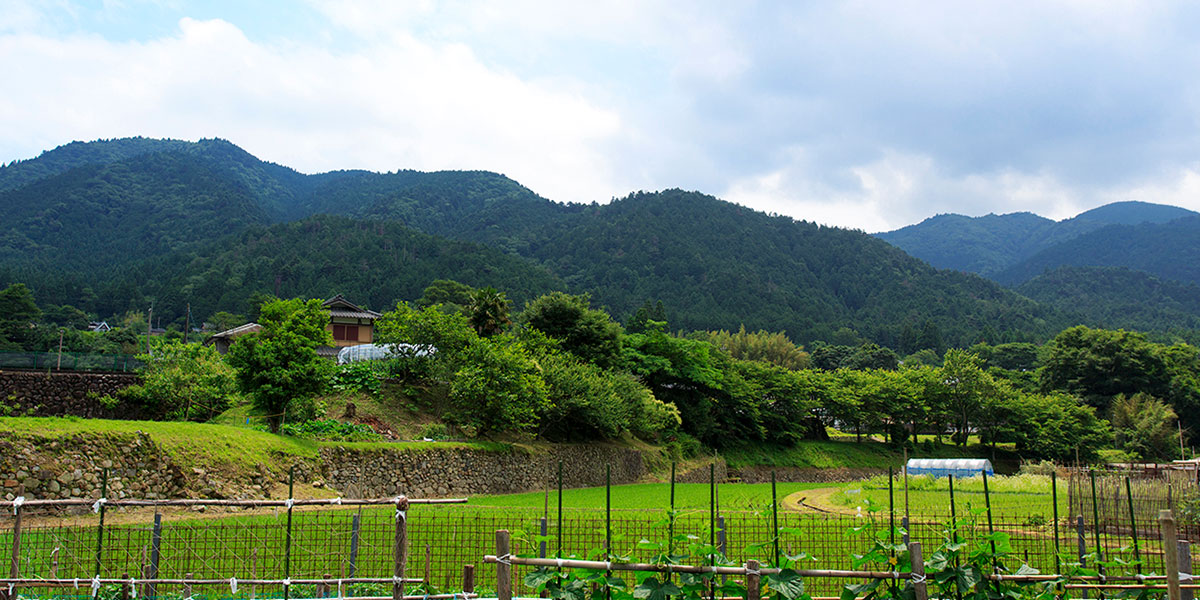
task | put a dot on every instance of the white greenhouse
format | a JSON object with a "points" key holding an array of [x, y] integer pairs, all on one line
{"points": [[359, 352], [949, 467]]}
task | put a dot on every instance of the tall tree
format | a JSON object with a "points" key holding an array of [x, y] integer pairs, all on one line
{"points": [[489, 311], [18, 317], [278, 366], [585, 332]]}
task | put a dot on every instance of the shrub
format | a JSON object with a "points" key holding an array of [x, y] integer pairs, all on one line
{"points": [[330, 430], [358, 377], [184, 382]]}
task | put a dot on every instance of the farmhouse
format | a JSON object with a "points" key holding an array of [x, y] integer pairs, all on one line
{"points": [[349, 324]]}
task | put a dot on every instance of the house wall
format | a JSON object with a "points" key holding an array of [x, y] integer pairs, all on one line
{"points": [[366, 331]]}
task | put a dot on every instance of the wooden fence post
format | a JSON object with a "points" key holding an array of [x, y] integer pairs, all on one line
{"points": [[187, 587], [428, 559], [125, 586], [503, 567], [323, 587], [1185, 567], [400, 549], [155, 554], [918, 571], [753, 581], [469, 578], [1170, 545], [15, 569], [355, 526]]}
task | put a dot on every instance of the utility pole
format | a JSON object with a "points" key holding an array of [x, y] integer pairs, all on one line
{"points": [[187, 323], [149, 327]]}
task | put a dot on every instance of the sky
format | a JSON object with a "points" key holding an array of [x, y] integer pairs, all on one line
{"points": [[867, 115]]}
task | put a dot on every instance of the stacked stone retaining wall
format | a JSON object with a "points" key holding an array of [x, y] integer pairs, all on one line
{"points": [[440, 472], [60, 394]]}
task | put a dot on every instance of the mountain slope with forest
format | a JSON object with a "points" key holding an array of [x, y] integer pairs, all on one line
{"points": [[127, 222], [1165, 250], [1118, 298], [991, 244]]}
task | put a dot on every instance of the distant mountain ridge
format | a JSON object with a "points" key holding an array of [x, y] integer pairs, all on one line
{"points": [[993, 244], [140, 221]]}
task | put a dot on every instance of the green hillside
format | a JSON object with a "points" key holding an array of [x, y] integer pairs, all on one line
{"points": [[1118, 298], [990, 244], [1165, 250], [715, 264]]}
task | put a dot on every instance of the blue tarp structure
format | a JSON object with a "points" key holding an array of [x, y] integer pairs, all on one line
{"points": [[949, 467]]}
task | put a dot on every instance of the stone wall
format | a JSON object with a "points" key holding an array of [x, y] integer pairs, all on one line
{"points": [[441, 472], [803, 474], [58, 393], [71, 466]]}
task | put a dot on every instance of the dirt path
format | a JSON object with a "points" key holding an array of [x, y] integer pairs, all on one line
{"points": [[818, 500]]}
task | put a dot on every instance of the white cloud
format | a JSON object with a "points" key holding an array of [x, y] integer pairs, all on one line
{"points": [[399, 103], [868, 115]]}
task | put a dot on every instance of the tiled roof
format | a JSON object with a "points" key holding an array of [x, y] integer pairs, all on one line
{"points": [[340, 307], [239, 330]]}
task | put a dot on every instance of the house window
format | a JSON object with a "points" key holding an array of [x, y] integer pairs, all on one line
{"points": [[345, 333]]}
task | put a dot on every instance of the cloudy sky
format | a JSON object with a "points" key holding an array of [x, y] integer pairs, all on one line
{"points": [[871, 115]]}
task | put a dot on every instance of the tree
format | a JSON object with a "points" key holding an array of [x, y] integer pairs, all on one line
{"points": [[1098, 364], [440, 339], [223, 320], [1053, 426], [585, 332], [18, 316], [278, 367], [452, 295], [499, 388], [188, 382], [774, 348], [489, 311], [1145, 427], [968, 389]]}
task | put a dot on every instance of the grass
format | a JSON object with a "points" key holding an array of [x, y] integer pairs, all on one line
{"points": [[844, 452], [1018, 496], [655, 496], [215, 447], [189, 444]]}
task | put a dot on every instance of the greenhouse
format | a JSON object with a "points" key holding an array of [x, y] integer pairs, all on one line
{"points": [[360, 352], [949, 467]]}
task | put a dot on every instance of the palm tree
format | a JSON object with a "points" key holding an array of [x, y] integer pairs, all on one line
{"points": [[489, 311]]}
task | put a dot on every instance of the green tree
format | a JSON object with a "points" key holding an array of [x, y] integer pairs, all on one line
{"points": [[489, 311], [442, 338], [967, 389], [1053, 426], [187, 382], [585, 332], [452, 295], [278, 367], [18, 317], [1145, 427], [499, 388], [774, 348], [1098, 364]]}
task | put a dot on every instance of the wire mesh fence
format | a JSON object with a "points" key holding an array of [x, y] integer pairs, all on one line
{"points": [[69, 361], [347, 543]]}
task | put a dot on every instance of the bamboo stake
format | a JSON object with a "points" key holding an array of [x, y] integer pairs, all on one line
{"points": [[920, 590]]}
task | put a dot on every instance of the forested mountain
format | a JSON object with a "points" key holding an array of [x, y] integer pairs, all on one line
{"points": [[1165, 250], [99, 215], [373, 263], [991, 244], [715, 264], [472, 205], [1118, 298], [126, 221]]}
